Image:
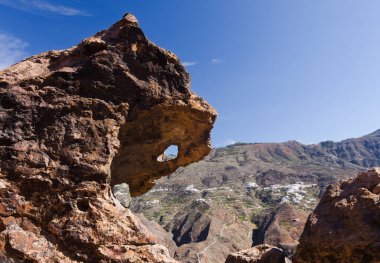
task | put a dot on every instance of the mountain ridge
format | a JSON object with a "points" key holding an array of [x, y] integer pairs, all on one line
{"points": [[374, 133], [252, 183]]}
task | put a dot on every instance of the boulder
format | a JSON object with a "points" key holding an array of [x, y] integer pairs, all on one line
{"points": [[122, 194], [258, 254], [345, 226]]}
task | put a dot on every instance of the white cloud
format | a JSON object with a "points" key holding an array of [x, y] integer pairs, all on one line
{"points": [[12, 50], [59, 9], [189, 63], [37, 6], [228, 142], [216, 61], [225, 143]]}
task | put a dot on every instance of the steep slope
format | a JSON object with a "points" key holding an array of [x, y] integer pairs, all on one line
{"points": [[266, 189], [283, 227], [77, 121]]}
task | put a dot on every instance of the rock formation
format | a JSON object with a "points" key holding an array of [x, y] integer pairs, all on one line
{"points": [[122, 194], [345, 226], [259, 254], [75, 122]]}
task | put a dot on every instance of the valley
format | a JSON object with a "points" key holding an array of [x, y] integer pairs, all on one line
{"points": [[251, 193]]}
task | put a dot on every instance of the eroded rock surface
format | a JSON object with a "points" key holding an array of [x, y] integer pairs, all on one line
{"points": [[122, 194], [75, 122], [345, 226], [259, 254]]}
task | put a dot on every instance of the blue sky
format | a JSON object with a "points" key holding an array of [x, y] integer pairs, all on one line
{"points": [[275, 70]]}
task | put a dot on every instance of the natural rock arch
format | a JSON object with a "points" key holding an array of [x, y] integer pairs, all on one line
{"points": [[76, 121]]}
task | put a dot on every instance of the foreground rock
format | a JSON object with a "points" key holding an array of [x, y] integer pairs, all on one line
{"points": [[75, 122], [345, 226], [259, 254]]}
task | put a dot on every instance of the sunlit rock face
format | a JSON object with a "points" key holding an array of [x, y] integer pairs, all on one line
{"points": [[75, 122], [345, 226], [259, 254]]}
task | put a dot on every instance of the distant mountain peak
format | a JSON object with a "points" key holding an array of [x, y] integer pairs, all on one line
{"points": [[377, 133]]}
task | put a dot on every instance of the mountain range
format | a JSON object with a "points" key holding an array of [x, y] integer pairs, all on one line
{"points": [[247, 194]]}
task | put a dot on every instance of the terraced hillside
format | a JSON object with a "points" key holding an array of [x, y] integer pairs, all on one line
{"points": [[247, 194]]}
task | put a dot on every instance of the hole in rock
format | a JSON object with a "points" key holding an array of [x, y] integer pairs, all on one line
{"points": [[83, 205], [170, 153]]}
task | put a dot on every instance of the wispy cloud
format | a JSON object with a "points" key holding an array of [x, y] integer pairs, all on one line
{"points": [[225, 143], [38, 6], [228, 142], [216, 61], [189, 63], [12, 50], [59, 9]]}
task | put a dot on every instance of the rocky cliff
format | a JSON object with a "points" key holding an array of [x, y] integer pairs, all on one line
{"points": [[345, 226], [75, 122], [363, 151]]}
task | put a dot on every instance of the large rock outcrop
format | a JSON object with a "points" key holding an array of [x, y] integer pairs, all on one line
{"points": [[76, 122], [345, 226]]}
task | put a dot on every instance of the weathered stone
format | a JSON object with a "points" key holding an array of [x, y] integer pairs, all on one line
{"points": [[122, 194], [75, 122], [376, 189], [258, 254], [345, 226]]}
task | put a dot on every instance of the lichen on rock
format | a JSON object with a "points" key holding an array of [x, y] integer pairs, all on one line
{"points": [[75, 122]]}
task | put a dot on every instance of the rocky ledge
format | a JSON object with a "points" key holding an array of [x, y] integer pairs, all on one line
{"points": [[258, 254], [76, 122]]}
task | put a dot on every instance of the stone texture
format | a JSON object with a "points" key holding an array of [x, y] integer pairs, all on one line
{"points": [[259, 254], [345, 226], [122, 194], [75, 122]]}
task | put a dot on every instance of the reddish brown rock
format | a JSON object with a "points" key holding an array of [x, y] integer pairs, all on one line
{"points": [[259, 254], [75, 122], [345, 226]]}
